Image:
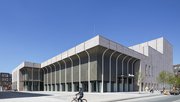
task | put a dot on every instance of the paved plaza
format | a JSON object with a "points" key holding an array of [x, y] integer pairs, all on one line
{"points": [[68, 96]]}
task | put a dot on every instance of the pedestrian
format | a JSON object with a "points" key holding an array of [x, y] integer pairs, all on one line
{"points": [[146, 89], [152, 90]]}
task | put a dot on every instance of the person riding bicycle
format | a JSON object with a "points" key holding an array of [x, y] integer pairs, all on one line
{"points": [[81, 94]]}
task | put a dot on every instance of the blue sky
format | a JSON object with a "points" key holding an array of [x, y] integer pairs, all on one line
{"points": [[36, 30]]}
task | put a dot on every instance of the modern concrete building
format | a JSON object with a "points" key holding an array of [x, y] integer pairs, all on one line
{"points": [[102, 65], [27, 77], [5, 81]]}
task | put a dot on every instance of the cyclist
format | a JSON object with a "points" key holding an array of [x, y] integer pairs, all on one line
{"points": [[81, 94]]}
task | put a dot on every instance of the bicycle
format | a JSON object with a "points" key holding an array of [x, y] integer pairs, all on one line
{"points": [[75, 99]]}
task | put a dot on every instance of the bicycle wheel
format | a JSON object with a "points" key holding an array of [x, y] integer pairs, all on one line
{"points": [[74, 100], [84, 100]]}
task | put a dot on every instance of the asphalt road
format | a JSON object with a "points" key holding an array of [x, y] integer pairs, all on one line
{"points": [[169, 98]]}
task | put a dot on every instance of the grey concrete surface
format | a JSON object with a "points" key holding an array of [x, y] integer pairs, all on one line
{"points": [[68, 96], [168, 98]]}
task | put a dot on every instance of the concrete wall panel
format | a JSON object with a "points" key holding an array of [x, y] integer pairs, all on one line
{"points": [[120, 48], [153, 44], [71, 52], [64, 55], [58, 58], [160, 45], [104, 42], [68, 74], [53, 77], [80, 48], [54, 60], [93, 70], [92, 42], [63, 76], [49, 61], [113, 45]]}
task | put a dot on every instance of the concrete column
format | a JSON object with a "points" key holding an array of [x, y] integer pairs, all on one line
{"points": [[39, 79], [55, 77], [66, 88], [47, 79], [22, 79], [116, 85], [32, 87], [133, 74], [110, 64], [140, 81], [25, 80], [89, 71], [128, 74], [43, 79], [72, 80], [123, 73], [97, 86], [102, 76], [51, 78], [80, 85], [60, 88]]}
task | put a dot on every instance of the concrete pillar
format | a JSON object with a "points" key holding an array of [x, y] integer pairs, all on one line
{"points": [[89, 71], [133, 73], [97, 85], [32, 88], [128, 74], [110, 65], [51, 85], [80, 84], [72, 80], [47, 79], [122, 87], [66, 87], [116, 85], [102, 76], [60, 88], [55, 77], [43, 78], [39, 79]]}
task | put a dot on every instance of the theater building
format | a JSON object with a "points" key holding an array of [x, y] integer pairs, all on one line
{"points": [[98, 65]]}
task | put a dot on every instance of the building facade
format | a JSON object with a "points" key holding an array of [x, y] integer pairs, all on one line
{"points": [[102, 65], [27, 77], [5, 81]]}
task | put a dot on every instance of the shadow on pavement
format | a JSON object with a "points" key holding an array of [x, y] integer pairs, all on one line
{"points": [[6, 95]]}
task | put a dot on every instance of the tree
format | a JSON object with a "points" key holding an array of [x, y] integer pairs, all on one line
{"points": [[139, 77], [168, 78], [162, 78]]}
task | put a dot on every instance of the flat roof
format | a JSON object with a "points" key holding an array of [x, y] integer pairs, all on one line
{"points": [[95, 41]]}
